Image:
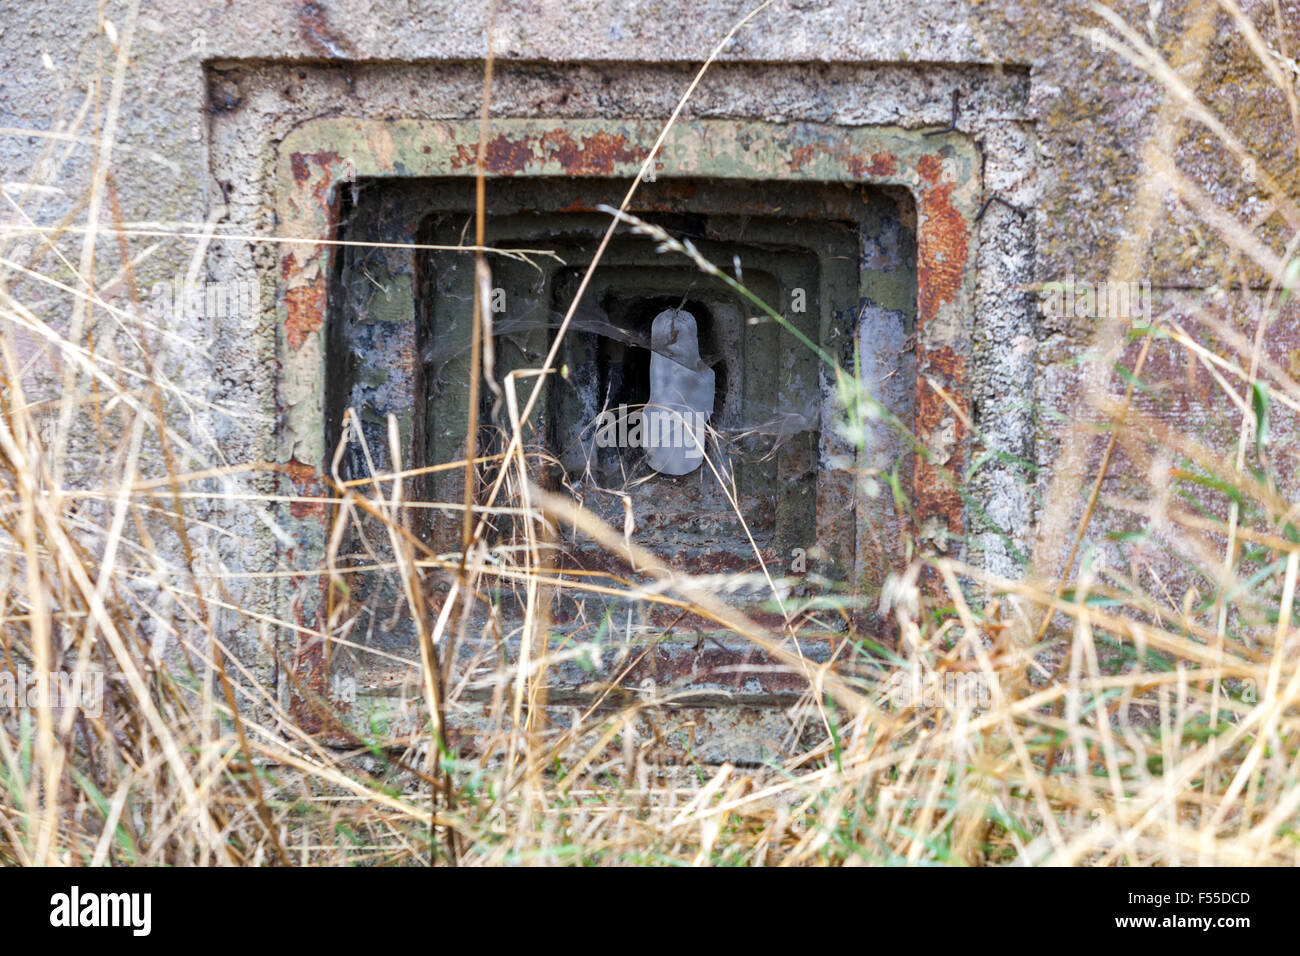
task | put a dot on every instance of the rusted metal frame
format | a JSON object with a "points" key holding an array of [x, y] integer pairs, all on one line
{"points": [[941, 172]]}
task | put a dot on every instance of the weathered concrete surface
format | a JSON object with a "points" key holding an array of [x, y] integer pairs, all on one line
{"points": [[211, 90]]}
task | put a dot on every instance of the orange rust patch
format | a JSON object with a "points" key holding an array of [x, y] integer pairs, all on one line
{"points": [[322, 189], [595, 156], [930, 167], [946, 367], [935, 489], [306, 482], [801, 157], [306, 307], [299, 163], [305, 478], [501, 157], [506, 156], [942, 248], [463, 157], [880, 164]]}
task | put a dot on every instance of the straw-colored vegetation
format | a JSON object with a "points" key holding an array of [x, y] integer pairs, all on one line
{"points": [[1135, 718]]}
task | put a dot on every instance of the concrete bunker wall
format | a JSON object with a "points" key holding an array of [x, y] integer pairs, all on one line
{"points": [[295, 137]]}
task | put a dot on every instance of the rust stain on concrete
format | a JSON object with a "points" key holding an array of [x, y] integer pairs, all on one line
{"points": [[502, 156], [878, 166], [935, 490], [300, 163], [942, 246], [800, 157], [596, 155], [306, 483], [305, 305]]}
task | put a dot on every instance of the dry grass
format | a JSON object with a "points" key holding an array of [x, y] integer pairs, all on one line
{"points": [[1128, 724]]}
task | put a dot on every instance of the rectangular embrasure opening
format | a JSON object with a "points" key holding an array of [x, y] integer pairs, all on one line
{"points": [[836, 261]]}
